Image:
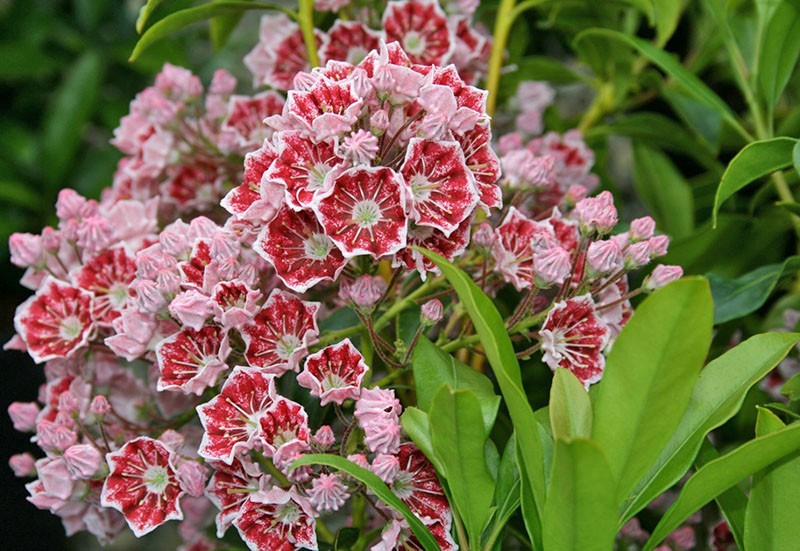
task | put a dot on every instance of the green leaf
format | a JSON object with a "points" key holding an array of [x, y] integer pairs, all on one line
{"points": [[507, 487], [71, 108], [791, 388], [20, 194], [649, 377], [735, 298], [145, 12], [500, 353], [796, 157], [180, 19], [434, 368], [669, 64], [580, 511], [717, 396], [416, 424], [544, 68], [378, 487], [705, 121], [667, 15], [222, 26], [458, 438], [346, 538], [754, 161], [779, 52], [720, 474], [570, 407], [732, 502], [664, 191], [773, 509]]}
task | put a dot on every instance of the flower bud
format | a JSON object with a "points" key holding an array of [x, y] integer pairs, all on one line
{"points": [[23, 464], [54, 437], [661, 276], [432, 312], [83, 461], [551, 267], [483, 236], [603, 258], [192, 308], [658, 245], [575, 193], [324, 437], [191, 476], [70, 204], [642, 228], [23, 415], [637, 255], [379, 122], [26, 249], [386, 466], [99, 406], [51, 239], [359, 459], [55, 477], [596, 214], [364, 292]]}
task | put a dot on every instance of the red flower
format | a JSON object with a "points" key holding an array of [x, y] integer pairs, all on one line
{"points": [[421, 29], [192, 360], [334, 373], [277, 520], [349, 41], [108, 276]]}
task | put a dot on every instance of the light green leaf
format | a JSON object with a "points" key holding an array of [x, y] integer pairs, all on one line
{"points": [[415, 423], [667, 15], [378, 487], [664, 190], [67, 115], [780, 49], [570, 407], [180, 19], [145, 12], [720, 474], [507, 487], [649, 377], [434, 368], [735, 298], [754, 161], [717, 396], [669, 64], [796, 157], [580, 511], [773, 509], [458, 438], [500, 353]]}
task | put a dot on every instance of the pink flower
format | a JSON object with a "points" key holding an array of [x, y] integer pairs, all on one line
{"points": [[142, 485], [535, 96], [191, 476], [596, 214], [191, 361], [573, 337], [378, 414], [287, 517], [229, 488], [231, 420], [334, 373], [328, 493], [421, 28], [191, 308], [514, 244], [284, 432], [108, 276], [281, 333], [551, 266], [23, 465], [26, 249], [349, 41], [603, 258]]}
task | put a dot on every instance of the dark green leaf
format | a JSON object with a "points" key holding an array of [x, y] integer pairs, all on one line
{"points": [[705, 121], [19, 194], [735, 298], [717, 396], [458, 438], [542, 68], [755, 161], [796, 157], [790, 206], [664, 191], [649, 377], [180, 19], [732, 502], [222, 26], [378, 487], [667, 13], [507, 487], [720, 474], [570, 407], [779, 52], [580, 511], [71, 108], [346, 538], [669, 64], [434, 368]]}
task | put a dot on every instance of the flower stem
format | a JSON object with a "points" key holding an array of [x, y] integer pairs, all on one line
{"points": [[305, 18], [502, 27]]}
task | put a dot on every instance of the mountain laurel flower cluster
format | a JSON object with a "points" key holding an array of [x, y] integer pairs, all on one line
{"points": [[251, 289]]}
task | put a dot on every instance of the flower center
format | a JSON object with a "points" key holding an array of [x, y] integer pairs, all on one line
{"points": [[421, 187], [403, 485], [414, 43], [283, 436], [356, 55], [317, 246], [118, 295], [70, 328], [366, 213], [286, 346], [316, 175], [288, 513], [156, 479], [332, 380]]}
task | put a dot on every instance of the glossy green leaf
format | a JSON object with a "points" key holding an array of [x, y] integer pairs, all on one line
{"points": [[716, 397], [791, 388], [570, 407], [415, 423], [145, 12], [222, 26], [773, 509], [378, 487], [779, 52], [67, 115], [703, 120], [664, 190], [669, 64], [667, 14], [720, 474], [580, 511], [754, 161], [500, 353], [649, 377], [735, 298], [732, 502], [180, 19], [507, 486], [434, 368], [458, 438]]}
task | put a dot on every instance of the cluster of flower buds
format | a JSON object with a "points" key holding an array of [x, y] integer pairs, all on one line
{"points": [[368, 160], [186, 146], [428, 34]]}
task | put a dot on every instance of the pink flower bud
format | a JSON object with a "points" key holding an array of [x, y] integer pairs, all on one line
{"points": [[379, 122], [23, 415], [223, 83], [67, 403], [603, 258], [22, 464], [360, 147], [551, 267], [642, 228], [364, 292], [99, 406], [51, 239], [483, 236], [192, 308], [637, 255], [70, 204], [386, 467], [575, 193], [596, 214], [54, 437], [324, 437], [55, 477], [359, 459], [359, 81], [328, 492], [83, 461], [95, 234], [658, 245], [173, 440], [26, 249], [432, 312], [191, 476], [509, 142], [661, 276], [149, 296]]}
